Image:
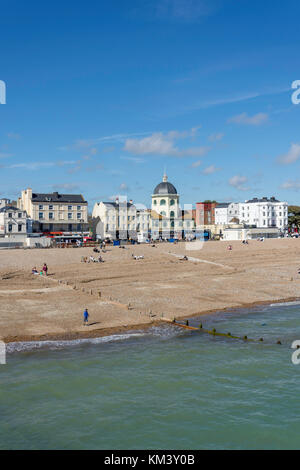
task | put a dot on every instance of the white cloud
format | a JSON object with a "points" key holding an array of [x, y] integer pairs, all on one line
{"points": [[238, 182], [216, 137], [210, 170], [255, 120], [291, 156], [292, 185], [196, 164], [133, 159], [163, 144]]}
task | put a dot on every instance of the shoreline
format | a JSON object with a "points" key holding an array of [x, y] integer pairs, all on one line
{"points": [[110, 331]]}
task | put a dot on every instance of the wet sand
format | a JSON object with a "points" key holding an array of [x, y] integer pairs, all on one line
{"points": [[123, 293]]}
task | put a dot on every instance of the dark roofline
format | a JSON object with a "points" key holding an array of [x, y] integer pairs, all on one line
{"points": [[11, 208], [56, 197]]}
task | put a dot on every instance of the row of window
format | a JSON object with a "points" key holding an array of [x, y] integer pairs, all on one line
{"points": [[52, 207], [10, 227], [163, 202], [51, 216], [10, 215]]}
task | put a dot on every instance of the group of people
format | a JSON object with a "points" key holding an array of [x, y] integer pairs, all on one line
{"points": [[91, 259], [42, 272]]}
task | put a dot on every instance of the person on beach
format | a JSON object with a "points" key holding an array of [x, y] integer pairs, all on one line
{"points": [[85, 317], [45, 269]]}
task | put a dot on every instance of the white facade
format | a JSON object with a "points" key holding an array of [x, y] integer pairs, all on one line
{"points": [[227, 213], [264, 213], [117, 219], [13, 221]]}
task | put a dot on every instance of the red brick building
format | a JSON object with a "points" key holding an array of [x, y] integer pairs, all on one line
{"points": [[205, 213]]}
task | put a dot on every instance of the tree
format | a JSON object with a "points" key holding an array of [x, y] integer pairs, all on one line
{"points": [[294, 217]]}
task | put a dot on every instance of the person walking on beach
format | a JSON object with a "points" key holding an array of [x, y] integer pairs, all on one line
{"points": [[45, 269], [85, 317]]}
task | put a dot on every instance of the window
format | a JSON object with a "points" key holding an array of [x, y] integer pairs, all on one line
{"points": [[41, 215], [172, 202], [163, 213], [78, 227], [10, 215], [51, 215], [41, 208], [172, 214], [163, 202], [19, 227], [69, 208], [78, 215], [10, 227], [50, 208], [19, 215], [69, 215], [155, 202], [79, 208]]}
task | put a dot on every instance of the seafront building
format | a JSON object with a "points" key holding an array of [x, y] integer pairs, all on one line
{"points": [[13, 221], [54, 212], [167, 218], [264, 213], [227, 213], [117, 220], [260, 213]]}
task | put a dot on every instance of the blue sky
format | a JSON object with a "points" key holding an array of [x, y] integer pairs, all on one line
{"points": [[102, 96]]}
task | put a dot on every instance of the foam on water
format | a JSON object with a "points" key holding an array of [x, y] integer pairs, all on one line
{"points": [[34, 345], [163, 332]]}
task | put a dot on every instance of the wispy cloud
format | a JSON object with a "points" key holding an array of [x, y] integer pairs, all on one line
{"points": [[133, 159], [238, 182], [255, 120], [291, 185], [196, 164], [210, 170], [164, 144], [184, 10], [216, 137], [291, 156], [38, 165]]}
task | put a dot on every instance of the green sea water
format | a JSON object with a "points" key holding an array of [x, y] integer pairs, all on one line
{"points": [[164, 388]]}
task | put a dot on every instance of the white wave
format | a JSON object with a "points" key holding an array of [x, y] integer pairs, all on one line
{"points": [[61, 344], [285, 304]]}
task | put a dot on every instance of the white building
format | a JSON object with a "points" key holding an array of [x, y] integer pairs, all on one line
{"points": [[143, 223], [227, 213], [264, 213], [117, 220], [13, 221], [54, 212], [167, 219]]}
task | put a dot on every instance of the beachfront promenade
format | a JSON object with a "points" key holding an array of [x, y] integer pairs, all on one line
{"points": [[124, 292]]}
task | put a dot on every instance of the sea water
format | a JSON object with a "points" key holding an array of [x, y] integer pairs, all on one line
{"points": [[164, 388]]}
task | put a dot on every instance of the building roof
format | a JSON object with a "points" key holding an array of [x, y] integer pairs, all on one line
{"points": [[118, 204], [56, 197], [10, 209], [223, 205], [165, 188], [264, 199]]}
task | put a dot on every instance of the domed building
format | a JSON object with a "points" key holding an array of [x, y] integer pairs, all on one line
{"points": [[167, 219], [165, 200]]}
